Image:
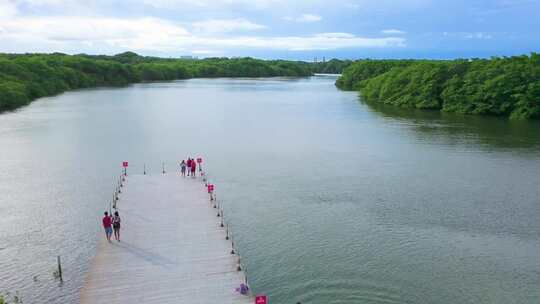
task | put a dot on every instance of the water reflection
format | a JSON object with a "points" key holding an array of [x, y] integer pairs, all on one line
{"points": [[469, 130]]}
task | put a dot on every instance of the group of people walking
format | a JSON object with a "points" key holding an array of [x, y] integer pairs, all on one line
{"points": [[190, 165], [111, 223]]}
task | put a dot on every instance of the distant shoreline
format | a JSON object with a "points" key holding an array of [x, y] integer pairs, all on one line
{"points": [[326, 74], [26, 77], [507, 87]]}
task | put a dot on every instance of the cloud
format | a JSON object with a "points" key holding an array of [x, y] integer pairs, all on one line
{"points": [[336, 35], [468, 35], [304, 18], [143, 33], [477, 35], [323, 41], [226, 25], [353, 6], [212, 4], [309, 18], [167, 4], [393, 32], [206, 52], [7, 9], [76, 34], [44, 2]]}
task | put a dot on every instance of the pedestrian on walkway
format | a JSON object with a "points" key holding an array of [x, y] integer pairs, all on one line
{"points": [[189, 165], [193, 167], [107, 224], [183, 167], [116, 225]]}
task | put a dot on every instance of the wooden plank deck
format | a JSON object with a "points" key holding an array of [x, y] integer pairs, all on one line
{"points": [[172, 249]]}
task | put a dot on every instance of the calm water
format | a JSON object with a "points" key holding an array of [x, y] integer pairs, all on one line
{"points": [[332, 200]]}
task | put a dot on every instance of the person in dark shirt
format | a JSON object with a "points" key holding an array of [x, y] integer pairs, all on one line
{"points": [[116, 225], [183, 167], [107, 224]]}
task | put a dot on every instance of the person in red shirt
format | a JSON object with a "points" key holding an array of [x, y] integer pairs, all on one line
{"points": [[107, 224], [193, 167], [189, 161]]}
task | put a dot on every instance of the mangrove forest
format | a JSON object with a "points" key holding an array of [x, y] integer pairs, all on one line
{"points": [[25, 77], [507, 86]]}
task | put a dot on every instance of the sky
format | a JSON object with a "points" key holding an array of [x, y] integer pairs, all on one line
{"points": [[267, 29]]}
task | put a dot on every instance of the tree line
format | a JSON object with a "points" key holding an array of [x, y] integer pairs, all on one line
{"points": [[501, 86], [334, 66], [25, 77]]}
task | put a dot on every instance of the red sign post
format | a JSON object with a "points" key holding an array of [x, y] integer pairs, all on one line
{"points": [[261, 299], [199, 161], [125, 165]]}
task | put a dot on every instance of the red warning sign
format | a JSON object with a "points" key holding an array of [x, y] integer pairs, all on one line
{"points": [[261, 299]]}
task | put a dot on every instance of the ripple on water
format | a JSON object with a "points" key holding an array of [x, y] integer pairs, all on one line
{"points": [[344, 291]]}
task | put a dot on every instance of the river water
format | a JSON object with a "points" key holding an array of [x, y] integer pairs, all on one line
{"points": [[331, 200]]}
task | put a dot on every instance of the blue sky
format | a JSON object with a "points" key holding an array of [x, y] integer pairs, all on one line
{"points": [[273, 28]]}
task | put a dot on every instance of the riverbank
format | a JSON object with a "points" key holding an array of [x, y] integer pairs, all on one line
{"points": [[508, 86], [26, 77]]}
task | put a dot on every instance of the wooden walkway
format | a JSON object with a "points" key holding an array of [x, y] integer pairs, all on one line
{"points": [[172, 248]]}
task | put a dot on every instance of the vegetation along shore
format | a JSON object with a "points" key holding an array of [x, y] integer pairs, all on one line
{"points": [[508, 86], [25, 77]]}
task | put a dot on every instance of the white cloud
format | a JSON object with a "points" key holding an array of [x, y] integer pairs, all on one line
{"points": [[7, 9], [468, 35], [332, 41], [226, 25], [309, 18], [393, 32], [304, 18], [209, 7], [281, 5], [44, 2], [477, 35], [212, 4], [353, 6], [336, 35], [129, 33], [200, 8], [299, 43], [206, 52], [92, 34]]}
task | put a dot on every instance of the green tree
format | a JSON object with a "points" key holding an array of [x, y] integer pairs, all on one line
{"points": [[505, 86]]}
